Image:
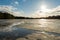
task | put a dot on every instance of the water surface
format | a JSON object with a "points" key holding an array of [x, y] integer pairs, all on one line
{"points": [[29, 29]]}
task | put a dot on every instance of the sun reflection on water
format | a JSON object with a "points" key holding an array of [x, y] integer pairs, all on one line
{"points": [[43, 22]]}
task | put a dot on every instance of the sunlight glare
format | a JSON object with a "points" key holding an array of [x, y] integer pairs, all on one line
{"points": [[43, 22], [43, 8]]}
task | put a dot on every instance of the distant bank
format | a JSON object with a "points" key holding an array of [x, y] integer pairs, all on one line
{"points": [[6, 15]]}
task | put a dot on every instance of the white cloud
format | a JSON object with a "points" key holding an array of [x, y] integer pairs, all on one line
{"points": [[10, 9], [57, 9], [39, 13], [7, 8], [16, 2], [53, 11], [17, 13]]}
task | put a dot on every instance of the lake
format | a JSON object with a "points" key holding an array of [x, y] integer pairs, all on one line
{"points": [[29, 29]]}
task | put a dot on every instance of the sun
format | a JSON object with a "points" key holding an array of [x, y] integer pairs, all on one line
{"points": [[44, 10]]}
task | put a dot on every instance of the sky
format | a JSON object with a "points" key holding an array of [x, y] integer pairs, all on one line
{"points": [[31, 8]]}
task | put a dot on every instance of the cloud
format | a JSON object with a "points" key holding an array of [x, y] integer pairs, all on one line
{"points": [[51, 12], [7, 8], [16, 2], [17, 13], [39, 13], [10, 9], [55, 11]]}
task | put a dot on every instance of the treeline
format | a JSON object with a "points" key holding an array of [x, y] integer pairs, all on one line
{"points": [[6, 15], [52, 17], [49, 17], [26, 18]]}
